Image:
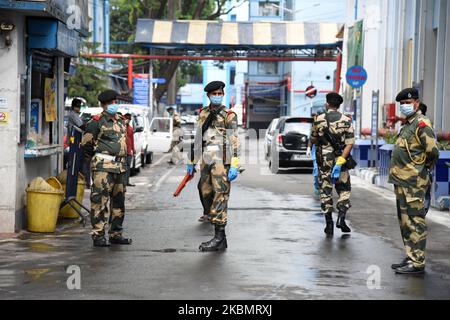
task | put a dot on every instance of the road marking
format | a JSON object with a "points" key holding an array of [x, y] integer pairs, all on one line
{"points": [[161, 180], [160, 160]]}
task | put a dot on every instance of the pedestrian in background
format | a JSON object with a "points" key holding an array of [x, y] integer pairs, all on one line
{"points": [[414, 155], [130, 147], [73, 122], [175, 148]]}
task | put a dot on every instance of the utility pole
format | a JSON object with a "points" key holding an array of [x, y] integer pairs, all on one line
{"points": [[172, 88]]}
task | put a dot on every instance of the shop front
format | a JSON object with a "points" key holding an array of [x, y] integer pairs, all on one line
{"points": [[33, 70]]}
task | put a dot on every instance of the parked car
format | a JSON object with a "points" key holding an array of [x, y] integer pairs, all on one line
{"points": [[269, 136], [161, 134], [289, 144]]}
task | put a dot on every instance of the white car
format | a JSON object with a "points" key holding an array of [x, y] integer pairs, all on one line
{"points": [[269, 136]]}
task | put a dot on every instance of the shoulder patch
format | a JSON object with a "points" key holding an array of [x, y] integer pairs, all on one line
{"points": [[96, 117], [422, 124]]}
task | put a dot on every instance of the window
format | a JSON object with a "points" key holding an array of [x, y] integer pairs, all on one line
{"points": [[269, 8], [267, 67]]}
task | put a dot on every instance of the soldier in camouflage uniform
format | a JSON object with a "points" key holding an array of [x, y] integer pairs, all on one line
{"points": [[177, 139], [107, 133], [331, 162], [413, 158], [218, 150]]}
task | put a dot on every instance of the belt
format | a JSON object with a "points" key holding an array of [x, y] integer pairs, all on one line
{"points": [[109, 157]]}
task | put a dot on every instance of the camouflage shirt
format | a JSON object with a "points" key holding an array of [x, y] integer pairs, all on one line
{"points": [[221, 140], [108, 135], [340, 126], [415, 151], [176, 120]]}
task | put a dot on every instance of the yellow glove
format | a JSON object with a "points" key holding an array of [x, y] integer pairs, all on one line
{"points": [[235, 162], [341, 161]]}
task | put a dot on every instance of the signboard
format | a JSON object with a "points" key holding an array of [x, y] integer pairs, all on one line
{"points": [[374, 134], [311, 92], [140, 91], [50, 100], [356, 76], [140, 88]]}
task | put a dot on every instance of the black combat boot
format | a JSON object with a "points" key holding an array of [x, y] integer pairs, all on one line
{"points": [[120, 240], [100, 242], [219, 242], [329, 229], [340, 223], [401, 264]]}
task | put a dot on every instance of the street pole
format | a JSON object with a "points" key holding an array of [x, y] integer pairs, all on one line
{"points": [[150, 90], [172, 88]]}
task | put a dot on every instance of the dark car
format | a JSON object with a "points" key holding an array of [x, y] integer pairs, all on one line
{"points": [[289, 144]]}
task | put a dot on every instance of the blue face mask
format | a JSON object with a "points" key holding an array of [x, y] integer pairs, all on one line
{"points": [[112, 109], [407, 109], [216, 100]]}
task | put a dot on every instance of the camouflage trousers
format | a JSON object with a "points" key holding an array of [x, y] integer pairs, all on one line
{"points": [[214, 189], [342, 186], [411, 217], [107, 192]]}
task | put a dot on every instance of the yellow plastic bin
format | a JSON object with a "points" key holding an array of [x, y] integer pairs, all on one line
{"points": [[69, 212], [43, 206]]}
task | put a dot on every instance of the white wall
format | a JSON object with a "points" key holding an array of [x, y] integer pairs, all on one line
{"points": [[9, 88]]}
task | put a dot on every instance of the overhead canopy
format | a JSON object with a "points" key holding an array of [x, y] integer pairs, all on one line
{"points": [[186, 34]]}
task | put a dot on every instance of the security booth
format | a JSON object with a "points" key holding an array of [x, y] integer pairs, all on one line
{"points": [[35, 64]]}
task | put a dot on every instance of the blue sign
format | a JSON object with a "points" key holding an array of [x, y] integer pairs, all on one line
{"points": [[356, 76], [140, 91]]}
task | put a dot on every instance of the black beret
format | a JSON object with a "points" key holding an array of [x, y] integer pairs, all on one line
{"points": [[406, 94], [107, 96], [213, 86], [334, 99]]}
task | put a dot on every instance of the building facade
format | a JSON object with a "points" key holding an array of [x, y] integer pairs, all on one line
{"points": [[37, 41], [404, 43]]}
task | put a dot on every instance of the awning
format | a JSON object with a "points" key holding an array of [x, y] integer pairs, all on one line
{"points": [[244, 35], [74, 13]]}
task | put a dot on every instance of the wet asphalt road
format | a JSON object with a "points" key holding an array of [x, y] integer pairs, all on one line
{"points": [[277, 248]]}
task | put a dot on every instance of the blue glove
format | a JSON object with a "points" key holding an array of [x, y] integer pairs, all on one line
{"points": [[232, 174], [315, 170], [190, 169], [336, 173]]}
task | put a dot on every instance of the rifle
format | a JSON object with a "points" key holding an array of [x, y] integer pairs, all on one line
{"points": [[337, 146]]}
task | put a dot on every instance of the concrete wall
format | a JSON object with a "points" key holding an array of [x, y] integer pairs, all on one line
{"points": [[9, 132], [16, 171]]}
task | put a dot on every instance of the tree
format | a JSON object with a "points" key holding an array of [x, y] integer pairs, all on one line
{"points": [[124, 17], [88, 80]]}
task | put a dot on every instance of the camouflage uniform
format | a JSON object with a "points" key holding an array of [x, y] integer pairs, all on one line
{"points": [[220, 143], [177, 155], [108, 135], [341, 127], [415, 153]]}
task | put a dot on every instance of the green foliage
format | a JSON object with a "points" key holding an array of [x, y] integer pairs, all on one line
{"points": [[124, 17], [88, 80], [444, 145]]}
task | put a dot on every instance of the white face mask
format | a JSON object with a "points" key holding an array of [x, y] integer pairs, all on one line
{"points": [[407, 109]]}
